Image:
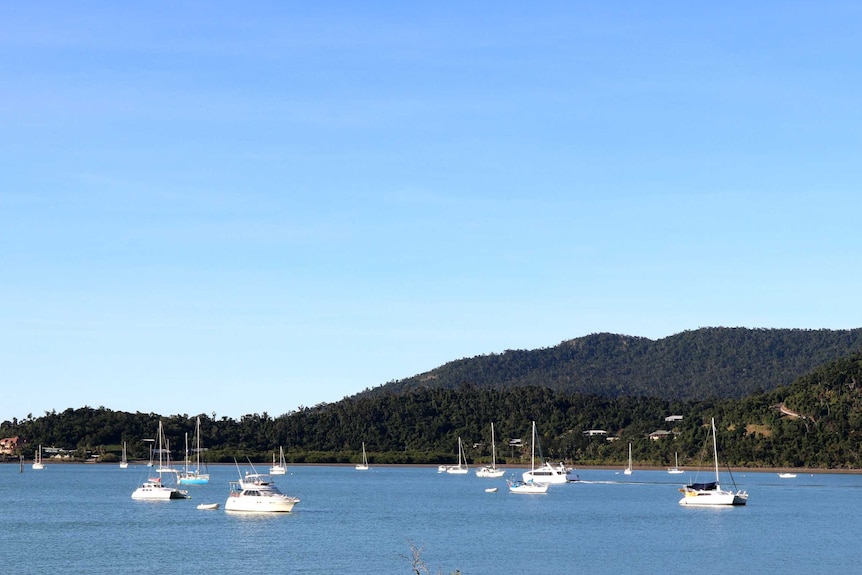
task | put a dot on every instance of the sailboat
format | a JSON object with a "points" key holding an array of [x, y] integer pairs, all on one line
{"points": [[364, 465], [153, 488], [279, 468], [124, 463], [461, 468], [529, 486], [711, 493], [492, 471], [194, 477], [675, 470], [37, 459], [628, 470]]}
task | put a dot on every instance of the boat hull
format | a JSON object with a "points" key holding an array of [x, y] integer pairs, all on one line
{"points": [[490, 472], [720, 498], [528, 487], [199, 479], [548, 474], [158, 493], [271, 504]]}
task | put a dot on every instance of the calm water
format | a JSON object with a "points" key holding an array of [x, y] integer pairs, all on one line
{"points": [[81, 519]]}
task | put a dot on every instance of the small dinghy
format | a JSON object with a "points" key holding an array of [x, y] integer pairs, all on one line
{"points": [[208, 506], [491, 490]]}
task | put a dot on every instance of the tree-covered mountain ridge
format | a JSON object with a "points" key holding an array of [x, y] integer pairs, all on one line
{"points": [[714, 362], [820, 426], [815, 421]]}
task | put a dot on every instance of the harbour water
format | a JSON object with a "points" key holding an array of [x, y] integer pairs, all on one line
{"points": [[81, 519]]}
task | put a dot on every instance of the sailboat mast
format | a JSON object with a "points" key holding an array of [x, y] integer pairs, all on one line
{"points": [[533, 453], [493, 449], [715, 449]]}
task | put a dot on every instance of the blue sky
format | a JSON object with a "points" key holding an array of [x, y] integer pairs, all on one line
{"points": [[214, 207]]}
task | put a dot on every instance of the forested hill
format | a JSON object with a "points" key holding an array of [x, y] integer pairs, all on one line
{"points": [[813, 422], [692, 365]]}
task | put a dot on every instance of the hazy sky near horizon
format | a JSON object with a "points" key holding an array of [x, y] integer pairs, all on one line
{"points": [[213, 207]]}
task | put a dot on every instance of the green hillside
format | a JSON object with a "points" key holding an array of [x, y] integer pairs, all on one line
{"points": [[820, 426], [692, 365]]}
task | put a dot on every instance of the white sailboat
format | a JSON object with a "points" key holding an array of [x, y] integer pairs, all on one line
{"points": [[279, 468], [711, 493], [492, 471], [124, 463], [37, 459], [194, 476], [628, 470], [153, 488], [364, 465], [529, 486], [461, 468], [675, 470]]}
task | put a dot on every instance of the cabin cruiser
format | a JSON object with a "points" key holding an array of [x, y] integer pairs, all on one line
{"points": [[154, 489], [257, 493]]}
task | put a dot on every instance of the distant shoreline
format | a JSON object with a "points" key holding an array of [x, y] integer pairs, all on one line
{"points": [[702, 468]]}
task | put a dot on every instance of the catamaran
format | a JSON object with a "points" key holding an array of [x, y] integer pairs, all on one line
{"points": [[711, 493]]}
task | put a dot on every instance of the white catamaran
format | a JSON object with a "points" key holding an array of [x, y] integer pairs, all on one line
{"points": [[711, 493]]}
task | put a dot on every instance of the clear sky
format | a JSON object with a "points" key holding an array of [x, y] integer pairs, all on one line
{"points": [[250, 207]]}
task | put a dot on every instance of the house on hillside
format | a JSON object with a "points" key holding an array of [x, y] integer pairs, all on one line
{"points": [[673, 418], [8, 445], [660, 434]]}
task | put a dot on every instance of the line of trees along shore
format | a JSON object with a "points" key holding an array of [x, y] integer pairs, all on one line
{"points": [[819, 427]]}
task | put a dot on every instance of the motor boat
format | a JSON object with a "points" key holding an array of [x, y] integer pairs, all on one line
{"points": [[257, 493]]}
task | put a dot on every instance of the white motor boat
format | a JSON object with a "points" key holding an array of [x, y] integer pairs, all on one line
{"points": [[258, 494], [711, 493], [546, 473], [153, 490]]}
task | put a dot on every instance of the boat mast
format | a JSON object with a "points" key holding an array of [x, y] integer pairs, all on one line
{"points": [[533, 453], [493, 449], [715, 449]]}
